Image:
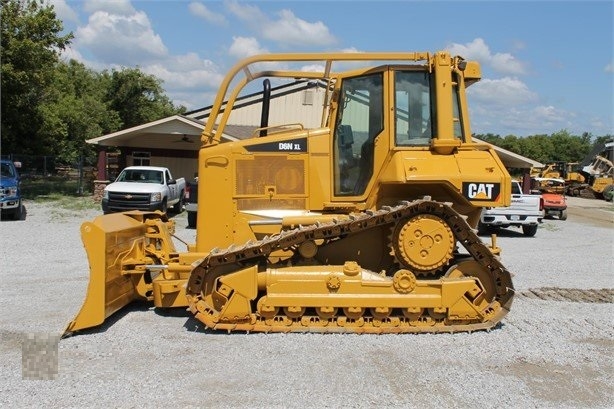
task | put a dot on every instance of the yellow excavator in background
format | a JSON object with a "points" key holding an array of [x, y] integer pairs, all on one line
{"points": [[363, 224], [594, 180], [567, 171], [600, 178]]}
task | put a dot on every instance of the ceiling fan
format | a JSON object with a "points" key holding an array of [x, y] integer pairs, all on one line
{"points": [[184, 138]]}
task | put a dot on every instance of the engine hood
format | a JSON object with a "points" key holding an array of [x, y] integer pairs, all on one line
{"points": [[8, 182], [134, 187]]}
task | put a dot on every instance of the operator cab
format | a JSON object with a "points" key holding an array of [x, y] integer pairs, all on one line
{"points": [[361, 119]]}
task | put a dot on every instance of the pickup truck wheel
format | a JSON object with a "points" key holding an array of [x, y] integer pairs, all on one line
{"points": [[529, 230], [18, 212], [192, 219], [482, 228], [563, 215], [164, 207], [178, 208]]}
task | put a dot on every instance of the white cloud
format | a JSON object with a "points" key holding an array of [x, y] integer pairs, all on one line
{"points": [[63, 11], [502, 92], [313, 68], [116, 35], [609, 67], [520, 120], [187, 79], [200, 10], [504, 63], [185, 72], [291, 30], [245, 47], [119, 7], [507, 106], [71, 53], [550, 114], [246, 12], [121, 39], [286, 30]]}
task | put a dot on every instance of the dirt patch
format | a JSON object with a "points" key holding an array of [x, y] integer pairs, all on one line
{"points": [[582, 386], [595, 212]]}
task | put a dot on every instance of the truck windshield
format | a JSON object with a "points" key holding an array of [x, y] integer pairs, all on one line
{"points": [[7, 170], [141, 176], [516, 189]]}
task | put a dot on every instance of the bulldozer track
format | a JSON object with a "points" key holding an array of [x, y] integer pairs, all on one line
{"points": [[598, 296], [227, 261]]}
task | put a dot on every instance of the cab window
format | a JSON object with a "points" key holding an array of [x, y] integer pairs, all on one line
{"points": [[458, 119], [359, 121], [413, 112]]}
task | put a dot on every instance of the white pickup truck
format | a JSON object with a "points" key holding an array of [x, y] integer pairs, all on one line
{"points": [[144, 188], [526, 211]]}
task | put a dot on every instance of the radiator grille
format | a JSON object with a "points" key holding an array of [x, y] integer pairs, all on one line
{"points": [[287, 175]]}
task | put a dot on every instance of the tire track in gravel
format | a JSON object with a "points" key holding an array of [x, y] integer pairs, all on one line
{"points": [[598, 296]]}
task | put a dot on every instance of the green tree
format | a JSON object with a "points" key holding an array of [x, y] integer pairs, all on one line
{"points": [[137, 97], [489, 138], [76, 110], [569, 148], [559, 146], [30, 45]]}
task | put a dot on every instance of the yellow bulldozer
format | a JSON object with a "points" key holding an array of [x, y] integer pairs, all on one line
{"points": [[362, 224], [594, 180], [567, 171], [600, 176]]}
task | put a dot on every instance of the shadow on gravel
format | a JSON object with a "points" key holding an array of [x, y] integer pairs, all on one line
{"points": [[191, 324], [109, 322], [506, 233]]}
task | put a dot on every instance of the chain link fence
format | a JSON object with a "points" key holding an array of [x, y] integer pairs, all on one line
{"points": [[45, 175]]}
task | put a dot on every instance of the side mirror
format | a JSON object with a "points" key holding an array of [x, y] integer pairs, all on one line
{"points": [[171, 182]]}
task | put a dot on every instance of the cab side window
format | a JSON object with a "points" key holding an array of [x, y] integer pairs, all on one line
{"points": [[412, 108]]}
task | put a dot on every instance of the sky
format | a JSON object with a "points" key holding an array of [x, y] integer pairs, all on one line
{"points": [[547, 66]]}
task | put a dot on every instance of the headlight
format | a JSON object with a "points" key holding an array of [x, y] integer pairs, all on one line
{"points": [[105, 194], [13, 191], [156, 197]]}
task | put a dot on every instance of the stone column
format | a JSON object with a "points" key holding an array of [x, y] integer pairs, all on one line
{"points": [[99, 186]]}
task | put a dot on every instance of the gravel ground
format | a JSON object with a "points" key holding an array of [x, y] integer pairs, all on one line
{"points": [[552, 351]]}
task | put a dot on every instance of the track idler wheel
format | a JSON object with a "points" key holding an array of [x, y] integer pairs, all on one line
{"points": [[471, 268], [423, 243]]}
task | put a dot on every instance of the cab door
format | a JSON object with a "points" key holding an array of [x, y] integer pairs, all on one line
{"points": [[359, 126]]}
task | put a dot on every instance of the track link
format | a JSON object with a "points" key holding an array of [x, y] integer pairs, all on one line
{"points": [[220, 263]]}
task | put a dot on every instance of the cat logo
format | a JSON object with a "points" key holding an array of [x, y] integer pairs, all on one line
{"points": [[481, 191]]}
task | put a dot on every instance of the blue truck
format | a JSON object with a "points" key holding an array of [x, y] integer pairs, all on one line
{"points": [[10, 191]]}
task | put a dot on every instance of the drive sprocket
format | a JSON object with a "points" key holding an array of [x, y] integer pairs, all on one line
{"points": [[423, 243]]}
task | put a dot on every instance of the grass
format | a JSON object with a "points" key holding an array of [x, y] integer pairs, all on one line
{"points": [[35, 188], [62, 192], [72, 202]]}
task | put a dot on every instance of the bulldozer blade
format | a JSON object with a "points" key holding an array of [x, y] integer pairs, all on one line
{"points": [[111, 241]]}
